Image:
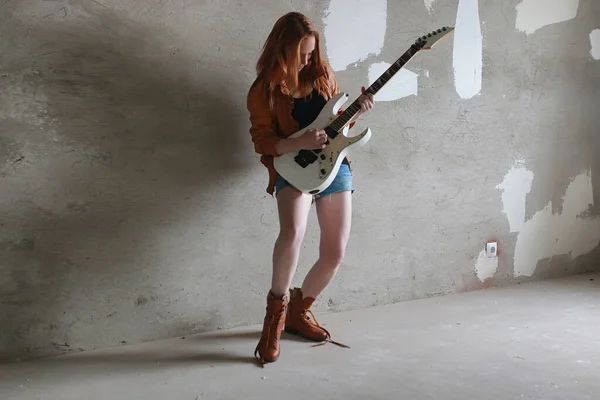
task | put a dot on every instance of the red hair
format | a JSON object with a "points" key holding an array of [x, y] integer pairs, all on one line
{"points": [[280, 57]]}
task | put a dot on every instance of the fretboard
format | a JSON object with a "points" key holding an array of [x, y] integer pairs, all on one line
{"points": [[375, 87]]}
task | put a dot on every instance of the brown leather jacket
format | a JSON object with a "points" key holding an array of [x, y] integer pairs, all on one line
{"points": [[269, 127]]}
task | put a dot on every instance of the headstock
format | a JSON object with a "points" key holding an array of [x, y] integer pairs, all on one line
{"points": [[426, 42]]}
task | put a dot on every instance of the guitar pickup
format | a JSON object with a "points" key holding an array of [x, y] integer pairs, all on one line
{"points": [[301, 161]]}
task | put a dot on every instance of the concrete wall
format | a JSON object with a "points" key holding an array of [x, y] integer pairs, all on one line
{"points": [[132, 206]]}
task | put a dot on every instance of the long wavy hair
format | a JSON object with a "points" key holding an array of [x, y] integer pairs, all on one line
{"points": [[279, 60]]}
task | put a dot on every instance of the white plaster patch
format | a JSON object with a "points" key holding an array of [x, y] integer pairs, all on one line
{"points": [[514, 187], [405, 83], [595, 44], [468, 49], [485, 266], [535, 14], [429, 5], [547, 234], [345, 42]]}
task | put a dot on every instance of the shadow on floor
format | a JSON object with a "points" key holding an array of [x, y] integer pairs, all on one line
{"points": [[207, 349]]}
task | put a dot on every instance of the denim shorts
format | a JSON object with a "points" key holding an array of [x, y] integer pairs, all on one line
{"points": [[341, 183]]}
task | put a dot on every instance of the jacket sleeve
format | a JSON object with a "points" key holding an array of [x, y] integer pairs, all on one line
{"points": [[262, 129]]}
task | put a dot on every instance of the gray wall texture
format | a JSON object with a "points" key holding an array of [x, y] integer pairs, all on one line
{"points": [[132, 205]]}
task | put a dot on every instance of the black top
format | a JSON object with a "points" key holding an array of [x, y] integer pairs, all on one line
{"points": [[307, 109]]}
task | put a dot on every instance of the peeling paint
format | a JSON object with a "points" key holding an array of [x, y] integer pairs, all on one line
{"points": [[514, 187], [547, 234], [485, 266], [429, 5], [595, 44], [405, 83], [535, 14], [468, 49], [346, 45]]}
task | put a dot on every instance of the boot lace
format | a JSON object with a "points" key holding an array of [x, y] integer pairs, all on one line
{"points": [[305, 316]]}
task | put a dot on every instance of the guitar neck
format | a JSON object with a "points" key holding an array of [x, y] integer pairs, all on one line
{"points": [[354, 108]]}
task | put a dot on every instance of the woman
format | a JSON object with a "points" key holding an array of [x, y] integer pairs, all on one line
{"points": [[291, 88]]}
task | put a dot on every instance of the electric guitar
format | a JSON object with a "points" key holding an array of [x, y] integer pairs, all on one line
{"points": [[312, 171]]}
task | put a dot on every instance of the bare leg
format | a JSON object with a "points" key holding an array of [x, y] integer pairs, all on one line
{"points": [[293, 207], [335, 214]]}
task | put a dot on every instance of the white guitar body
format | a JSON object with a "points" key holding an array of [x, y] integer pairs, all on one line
{"points": [[318, 175]]}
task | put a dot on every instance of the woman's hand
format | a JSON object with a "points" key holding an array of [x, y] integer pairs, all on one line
{"points": [[366, 101], [313, 139], [366, 104]]}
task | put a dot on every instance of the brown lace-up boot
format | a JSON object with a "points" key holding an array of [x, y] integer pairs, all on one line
{"points": [[298, 322], [268, 346]]}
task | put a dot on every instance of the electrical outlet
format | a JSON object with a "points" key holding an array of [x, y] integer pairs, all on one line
{"points": [[491, 249]]}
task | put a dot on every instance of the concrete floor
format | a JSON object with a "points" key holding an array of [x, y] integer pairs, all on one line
{"points": [[528, 341]]}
